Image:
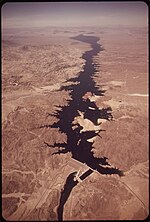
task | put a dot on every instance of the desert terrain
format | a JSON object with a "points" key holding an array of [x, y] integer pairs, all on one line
{"points": [[36, 64]]}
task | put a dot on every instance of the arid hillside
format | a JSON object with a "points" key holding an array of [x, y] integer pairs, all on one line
{"points": [[35, 66]]}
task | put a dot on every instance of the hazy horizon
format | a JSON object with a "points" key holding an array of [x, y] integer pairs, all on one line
{"points": [[74, 14]]}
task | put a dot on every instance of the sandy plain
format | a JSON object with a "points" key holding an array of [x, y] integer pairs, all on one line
{"points": [[34, 67]]}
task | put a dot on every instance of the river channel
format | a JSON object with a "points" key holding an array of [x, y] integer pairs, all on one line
{"points": [[77, 142]]}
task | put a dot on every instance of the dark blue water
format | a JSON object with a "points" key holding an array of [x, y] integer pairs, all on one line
{"points": [[81, 151], [69, 185], [77, 142]]}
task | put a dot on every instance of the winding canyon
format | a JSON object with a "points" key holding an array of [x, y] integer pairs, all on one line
{"points": [[75, 126]]}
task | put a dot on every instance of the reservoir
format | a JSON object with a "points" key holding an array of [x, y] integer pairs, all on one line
{"points": [[77, 141]]}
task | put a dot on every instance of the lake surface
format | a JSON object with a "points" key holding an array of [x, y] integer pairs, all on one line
{"points": [[77, 142]]}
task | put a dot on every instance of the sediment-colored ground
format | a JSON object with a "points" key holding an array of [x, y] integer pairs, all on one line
{"points": [[34, 67]]}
